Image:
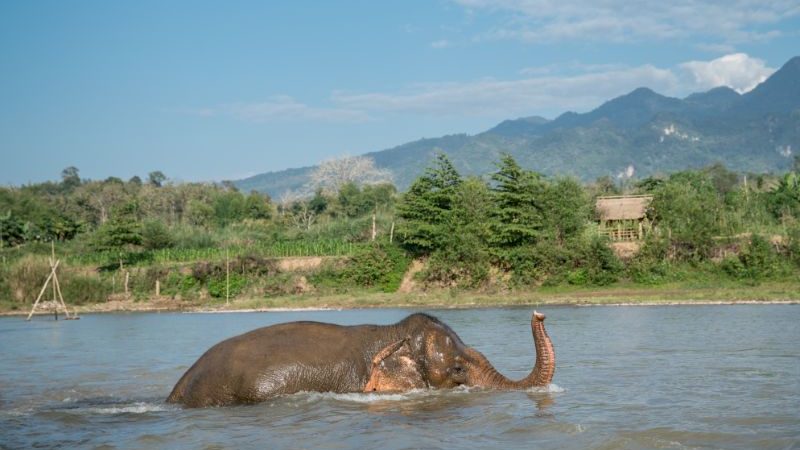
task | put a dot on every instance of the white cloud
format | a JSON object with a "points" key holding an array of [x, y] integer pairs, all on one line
{"points": [[553, 94], [442, 43], [547, 90], [553, 89], [738, 71], [622, 20], [280, 108]]}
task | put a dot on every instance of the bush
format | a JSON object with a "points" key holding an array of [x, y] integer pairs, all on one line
{"points": [[756, 262], [178, 283], [601, 264], [464, 264], [278, 285], [155, 235], [192, 237], [5, 288], [217, 286], [793, 244], [26, 278], [759, 259], [379, 265], [79, 290], [650, 265]]}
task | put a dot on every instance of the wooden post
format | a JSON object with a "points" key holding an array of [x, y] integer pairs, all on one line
{"points": [[61, 297], [227, 277], [374, 231], [44, 287], [391, 233], [158, 288], [127, 277], [52, 261]]}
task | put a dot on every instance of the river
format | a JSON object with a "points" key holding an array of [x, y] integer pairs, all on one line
{"points": [[627, 377]]}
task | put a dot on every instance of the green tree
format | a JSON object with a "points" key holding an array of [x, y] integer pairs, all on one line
{"points": [[351, 201], [70, 178], [12, 230], [687, 208], [229, 207], [566, 210], [199, 213], [120, 234], [784, 199], [257, 206], [155, 235], [156, 178], [319, 202], [426, 207], [518, 217], [463, 258]]}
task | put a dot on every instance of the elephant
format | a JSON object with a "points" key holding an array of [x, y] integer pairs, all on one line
{"points": [[419, 352]]}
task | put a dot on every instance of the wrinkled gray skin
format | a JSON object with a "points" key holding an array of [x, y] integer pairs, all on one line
{"points": [[312, 356]]}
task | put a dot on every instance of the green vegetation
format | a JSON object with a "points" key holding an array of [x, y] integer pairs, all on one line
{"points": [[539, 232], [518, 231]]}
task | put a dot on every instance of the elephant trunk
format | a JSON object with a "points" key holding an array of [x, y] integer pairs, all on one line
{"points": [[485, 375]]}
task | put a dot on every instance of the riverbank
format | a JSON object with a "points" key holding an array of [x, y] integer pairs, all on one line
{"points": [[784, 292]]}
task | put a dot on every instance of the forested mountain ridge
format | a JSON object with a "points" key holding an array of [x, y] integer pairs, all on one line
{"points": [[758, 131]]}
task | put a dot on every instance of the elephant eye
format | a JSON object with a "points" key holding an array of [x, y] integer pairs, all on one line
{"points": [[458, 369]]}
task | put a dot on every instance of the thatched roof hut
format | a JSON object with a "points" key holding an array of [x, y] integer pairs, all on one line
{"points": [[622, 207]]}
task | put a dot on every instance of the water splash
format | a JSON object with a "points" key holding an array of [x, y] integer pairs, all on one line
{"points": [[365, 397], [135, 408], [551, 388]]}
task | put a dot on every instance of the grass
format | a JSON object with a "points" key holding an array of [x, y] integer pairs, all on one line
{"points": [[620, 293], [329, 247]]}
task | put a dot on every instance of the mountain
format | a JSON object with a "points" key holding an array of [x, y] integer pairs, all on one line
{"points": [[758, 131]]}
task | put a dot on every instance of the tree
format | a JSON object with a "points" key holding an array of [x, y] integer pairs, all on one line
{"points": [[121, 233], [565, 210], [70, 178], [784, 199], [688, 209], [303, 214], [156, 178], [229, 185], [229, 207], [517, 219], [426, 207], [100, 198], [12, 230], [351, 200], [257, 206], [463, 258], [318, 203], [155, 235], [199, 213], [604, 185], [332, 174]]}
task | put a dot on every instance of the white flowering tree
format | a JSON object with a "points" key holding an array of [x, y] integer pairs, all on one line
{"points": [[332, 174]]}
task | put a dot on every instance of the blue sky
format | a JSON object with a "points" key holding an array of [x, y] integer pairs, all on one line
{"points": [[223, 90]]}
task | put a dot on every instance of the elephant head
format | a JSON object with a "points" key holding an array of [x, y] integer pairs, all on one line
{"points": [[436, 357], [394, 369]]}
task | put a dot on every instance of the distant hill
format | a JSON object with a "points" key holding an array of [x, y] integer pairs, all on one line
{"points": [[757, 132]]}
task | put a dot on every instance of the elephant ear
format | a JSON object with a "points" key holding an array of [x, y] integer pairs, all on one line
{"points": [[394, 370]]}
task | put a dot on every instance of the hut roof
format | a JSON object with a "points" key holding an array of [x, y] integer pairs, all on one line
{"points": [[623, 207]]}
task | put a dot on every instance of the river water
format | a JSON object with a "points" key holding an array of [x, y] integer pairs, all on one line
{"points": [[627, 377]]}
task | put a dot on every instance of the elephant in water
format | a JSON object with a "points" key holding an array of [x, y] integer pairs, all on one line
{"points": [[420, 351]]}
